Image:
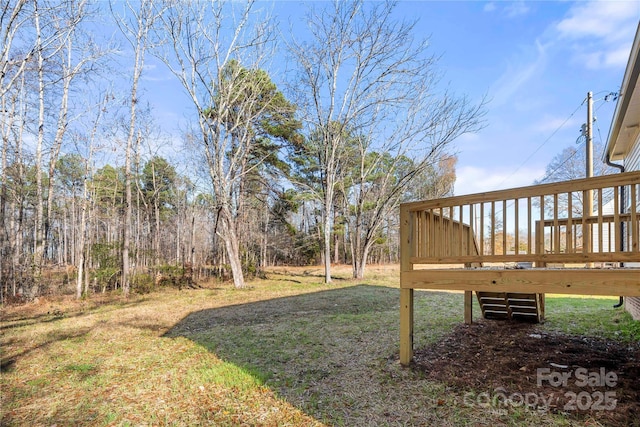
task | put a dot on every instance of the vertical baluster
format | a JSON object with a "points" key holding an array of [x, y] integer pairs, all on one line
{"points": [[586, 234], [556, 227], [461, 232], [416, 237], [481, 229], [634, 247], [617, 241], [436, 236], [415, 233], [471, 235], [600, 237], [569, 241], [529, 225], [517, 226], [493, 227], [542, 227], [424, 233], [504, 227]]}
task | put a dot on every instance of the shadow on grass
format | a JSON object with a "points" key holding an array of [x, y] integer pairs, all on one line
{"points": [[55, 315], [355, 300], [8, 361], [331, 353], [334, 354]]}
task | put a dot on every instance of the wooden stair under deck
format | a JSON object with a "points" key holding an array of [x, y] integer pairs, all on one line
{"points": [[511, 306]]}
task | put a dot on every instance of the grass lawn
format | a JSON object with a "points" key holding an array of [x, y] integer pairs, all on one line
{"points": [[289, 350]]}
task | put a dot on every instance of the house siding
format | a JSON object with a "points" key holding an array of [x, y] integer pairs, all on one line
{"points": [[632, 163], [632, 305]]}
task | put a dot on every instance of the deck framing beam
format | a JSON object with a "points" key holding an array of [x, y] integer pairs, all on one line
{"points": [[609, 282]]}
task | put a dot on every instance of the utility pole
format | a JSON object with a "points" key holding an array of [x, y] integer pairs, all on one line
{"points": [[589, 156], [588, 202]]}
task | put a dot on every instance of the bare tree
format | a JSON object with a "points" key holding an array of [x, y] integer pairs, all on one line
{"points": [[136, 26], [362, 76], [44, 51], [217, 51], [46, 23], [75, 59], [11, 127], [14, 19], [90, 142], [22, 44], [38, 252], [567, 165]]}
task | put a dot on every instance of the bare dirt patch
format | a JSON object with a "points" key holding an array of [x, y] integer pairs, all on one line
{"points": [[586, 378]]}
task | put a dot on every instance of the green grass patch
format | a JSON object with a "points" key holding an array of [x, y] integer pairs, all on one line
{"points": [[592, 316], [229, 376], [82, 368], [288, 350]]}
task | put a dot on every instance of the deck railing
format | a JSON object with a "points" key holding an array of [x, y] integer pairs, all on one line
{"points": [[540, 224]]}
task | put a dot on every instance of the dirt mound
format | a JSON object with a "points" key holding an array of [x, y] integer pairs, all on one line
{"points": [[501, 364]]}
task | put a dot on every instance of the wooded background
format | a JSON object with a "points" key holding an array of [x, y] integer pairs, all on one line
{"points": [[305, 168]]}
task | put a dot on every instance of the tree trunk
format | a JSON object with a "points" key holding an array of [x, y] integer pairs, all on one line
{"points": [[192, 243], [84, 205], [336, 248], [265, 241], [38, 253], [126, 226], [360, 262], [328, 202], [233, 248], [80, 263], [144, 22], [55, 151], [4, 232], [156, 246]]}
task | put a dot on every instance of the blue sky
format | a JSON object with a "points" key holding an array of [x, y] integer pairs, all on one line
{"points": [[535, 61]]}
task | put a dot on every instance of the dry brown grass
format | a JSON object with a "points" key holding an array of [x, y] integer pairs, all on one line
{"points": [[289, 350]]}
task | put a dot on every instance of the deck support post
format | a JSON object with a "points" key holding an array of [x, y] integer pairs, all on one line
{"points": [[406, 326], [468, 307]]}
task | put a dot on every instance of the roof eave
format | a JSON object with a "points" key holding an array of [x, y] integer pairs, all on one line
{"points": [[618, 143]]}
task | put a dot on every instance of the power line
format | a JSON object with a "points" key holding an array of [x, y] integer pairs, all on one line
{"points": [[611, 96], [543, 143], [550, 174]]}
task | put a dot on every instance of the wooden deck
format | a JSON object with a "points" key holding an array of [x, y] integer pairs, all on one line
{"points": [[571, 250]]}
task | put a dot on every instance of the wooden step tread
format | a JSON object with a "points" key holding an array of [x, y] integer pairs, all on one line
{"points": [[510, 305]]}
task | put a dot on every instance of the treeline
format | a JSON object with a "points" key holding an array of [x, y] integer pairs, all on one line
{"points": [[307, 170]]}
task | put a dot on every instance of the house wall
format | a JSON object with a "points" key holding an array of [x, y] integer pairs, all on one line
{"points": [[632, 163], [632, 305]]}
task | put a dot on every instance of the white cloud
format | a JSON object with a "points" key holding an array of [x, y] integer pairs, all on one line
{"points": [[511, 10], [489, 7], [548, 124], [516, 8], [472, 179], [602, 32], [157, 78], [618, 57], [607, 20], [596, 60], [516, 77], [467, 140]]}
